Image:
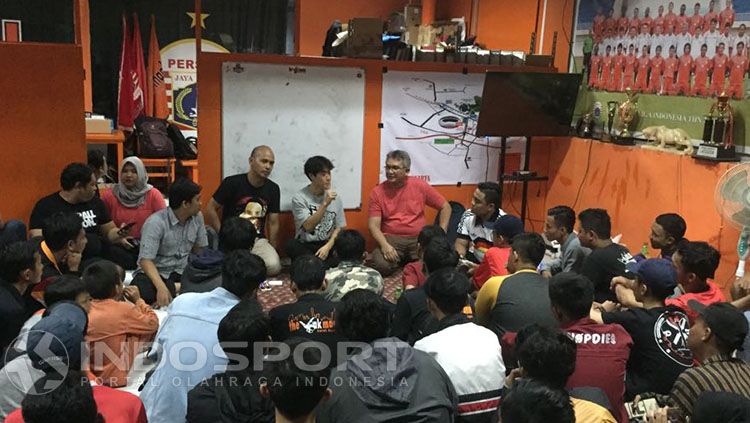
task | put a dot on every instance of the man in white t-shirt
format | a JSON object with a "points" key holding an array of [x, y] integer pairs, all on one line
{"points": [[474, 235], [318, 214]]}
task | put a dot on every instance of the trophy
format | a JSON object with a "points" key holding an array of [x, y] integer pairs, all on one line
{"points": [[584, 129], [612, 107], [626, 114], [718, 126]]}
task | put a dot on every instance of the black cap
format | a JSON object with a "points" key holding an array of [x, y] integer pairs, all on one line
{"points": [[724, 320]]}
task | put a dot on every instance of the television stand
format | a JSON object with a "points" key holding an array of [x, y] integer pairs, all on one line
{"points": [[524, 176]]}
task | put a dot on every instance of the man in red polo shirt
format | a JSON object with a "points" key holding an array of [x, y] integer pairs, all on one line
{"points": [[603, 349], [397, 213]]}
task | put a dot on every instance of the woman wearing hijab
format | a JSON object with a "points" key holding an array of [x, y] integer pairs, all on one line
{"points": [[131, 201]]}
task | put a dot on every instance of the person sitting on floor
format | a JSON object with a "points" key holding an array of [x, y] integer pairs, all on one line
{"points": [[295, 401], [548, 355], [203, 271], [64, 288], [11, 231], [412, 320], [62, 247], [603, 349], [667, 232], [233, 395], [607, 259], [194, 318], [20, 269], [312, 317], [559, 227], [414, 275], [72, 401], [55, 350], [474, 235], [718, 330], [696, 263], [168, 237], [115, 326], [318, 214], [78, 195], [470, 354], [508, 303], [351, 273], [131, 201], [396, 213], [532, 401], [495, 260], [415, 387], [252, 196], [659, 332]]}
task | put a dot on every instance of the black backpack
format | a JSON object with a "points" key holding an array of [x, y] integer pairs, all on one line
{"points": [[153, 140], [184, 149]]}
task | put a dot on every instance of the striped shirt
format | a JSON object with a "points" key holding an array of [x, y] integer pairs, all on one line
{"points": [[720, 373]]}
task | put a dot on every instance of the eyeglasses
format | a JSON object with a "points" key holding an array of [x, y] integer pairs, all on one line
{"points": [[393, 168]]}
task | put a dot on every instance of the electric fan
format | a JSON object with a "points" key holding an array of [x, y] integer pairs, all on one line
{"points": [[732, 199]]}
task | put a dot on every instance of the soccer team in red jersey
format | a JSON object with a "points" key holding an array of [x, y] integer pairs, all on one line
{"points": [[702, 54]]}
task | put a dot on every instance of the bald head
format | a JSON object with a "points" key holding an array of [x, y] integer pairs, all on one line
{"points": [[261, 163], [260, 149]]}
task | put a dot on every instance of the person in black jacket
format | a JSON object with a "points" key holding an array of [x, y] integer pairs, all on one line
{"points": [[234, 395]]}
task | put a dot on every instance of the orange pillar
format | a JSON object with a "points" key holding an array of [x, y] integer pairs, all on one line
{"points": [[428, 11], [83, 39]]}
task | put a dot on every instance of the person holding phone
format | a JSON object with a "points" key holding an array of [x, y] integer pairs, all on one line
{"points": [[130, 202]]}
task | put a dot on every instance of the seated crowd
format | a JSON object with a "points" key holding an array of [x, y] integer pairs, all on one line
{"points": [[500, 325]]}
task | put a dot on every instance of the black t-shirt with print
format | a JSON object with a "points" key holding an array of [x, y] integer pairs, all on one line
{"points": [[238, 197], [93, 212], [311, 317], [602, 265], [660, 352]]}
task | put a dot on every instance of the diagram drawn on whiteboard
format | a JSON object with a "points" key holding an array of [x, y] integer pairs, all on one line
{"points": [[433, 116]]}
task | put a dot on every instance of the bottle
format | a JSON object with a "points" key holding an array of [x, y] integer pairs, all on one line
{"points": [[397, 293], [644, 250]]}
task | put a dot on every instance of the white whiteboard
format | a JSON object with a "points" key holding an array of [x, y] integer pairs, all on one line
{"points": [[300, 112]]}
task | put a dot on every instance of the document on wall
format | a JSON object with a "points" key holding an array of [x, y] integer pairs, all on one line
{"points": [[433, 116]]}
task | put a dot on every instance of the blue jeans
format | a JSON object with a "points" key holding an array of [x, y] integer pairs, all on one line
{"points": [[14, 230]]}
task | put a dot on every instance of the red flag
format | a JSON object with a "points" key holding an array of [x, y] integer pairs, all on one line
{"points": [[125, 86], [131, 94], [140, 87], [156, 104]]}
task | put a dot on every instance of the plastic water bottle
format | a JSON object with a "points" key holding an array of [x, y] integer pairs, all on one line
{"points": [[644, 250]]}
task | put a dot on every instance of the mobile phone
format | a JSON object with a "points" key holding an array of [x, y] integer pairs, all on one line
{"points": [[126, 227]]}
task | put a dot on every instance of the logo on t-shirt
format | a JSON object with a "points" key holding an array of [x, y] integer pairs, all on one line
{"points": [[312, 322], [670, 333], [89, 218], [326, 224], [254, 211], [626, 258]]}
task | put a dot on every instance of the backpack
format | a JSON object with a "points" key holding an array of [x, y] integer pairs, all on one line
{"points": [[184, 149], [153, 140]]}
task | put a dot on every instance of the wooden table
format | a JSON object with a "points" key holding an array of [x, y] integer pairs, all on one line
{"points": [[117, 138]]}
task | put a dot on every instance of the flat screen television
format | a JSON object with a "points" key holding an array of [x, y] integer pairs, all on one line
{"points": [[528, 104]]}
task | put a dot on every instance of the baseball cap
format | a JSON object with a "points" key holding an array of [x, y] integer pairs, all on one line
{"points": [[657, 274], [724, 320], [508, 226], [56, 339]]}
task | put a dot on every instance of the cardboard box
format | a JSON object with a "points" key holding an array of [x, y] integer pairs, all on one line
{"points": [[98, 126], [365, 38]]}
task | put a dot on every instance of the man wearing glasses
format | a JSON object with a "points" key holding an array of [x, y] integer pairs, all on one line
{"points": [[397, 213]]}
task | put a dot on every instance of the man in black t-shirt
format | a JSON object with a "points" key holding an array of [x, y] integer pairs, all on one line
{"points": [[312, 316], [660, 352], [20, 268], [607, 259], [254, 197], [78, 195]]}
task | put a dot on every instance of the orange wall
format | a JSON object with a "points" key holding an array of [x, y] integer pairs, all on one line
{"points": [[315, 16], [635, 185], [209, 103], [41, 122], [508, 24]]}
